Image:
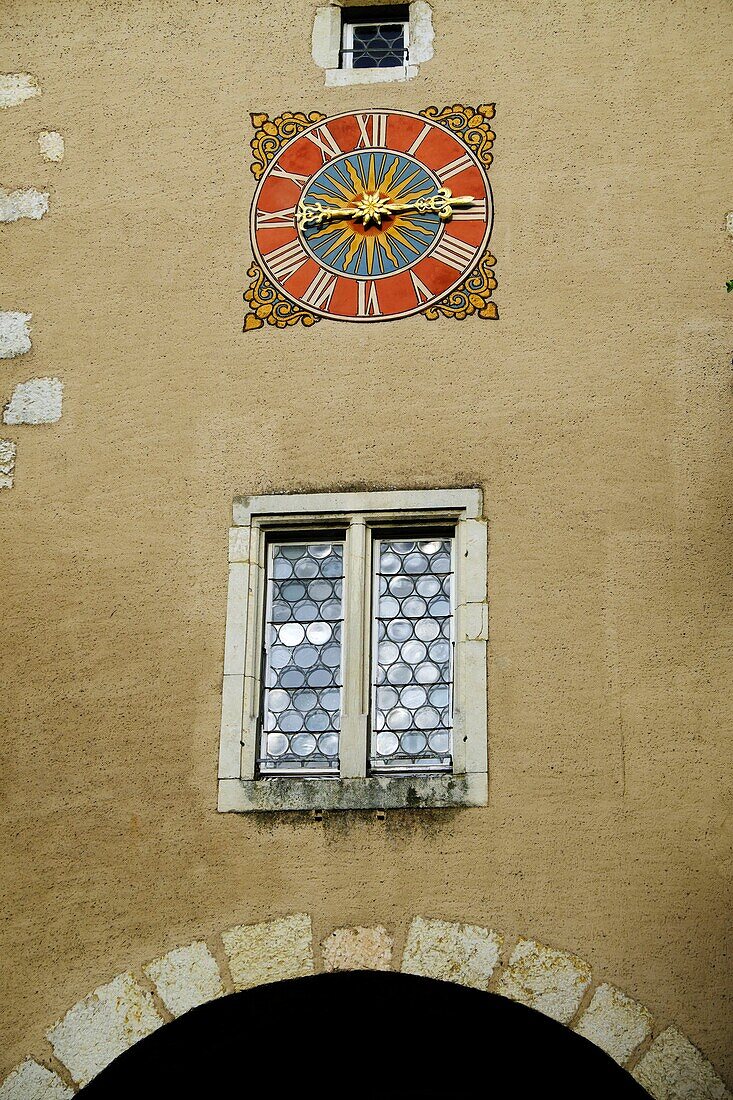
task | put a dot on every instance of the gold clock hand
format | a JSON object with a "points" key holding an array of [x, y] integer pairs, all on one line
{"points": [[441, 204], [316, 213], [372, 208], [369, 208]]}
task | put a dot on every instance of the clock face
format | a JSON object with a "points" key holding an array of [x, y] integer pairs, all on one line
{"points": [[371, 216]]}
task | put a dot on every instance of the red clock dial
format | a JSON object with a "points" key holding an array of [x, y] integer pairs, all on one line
{"points": [[371, 216]]}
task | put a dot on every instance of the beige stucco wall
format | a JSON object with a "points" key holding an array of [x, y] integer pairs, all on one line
{"points": [[593, 414]]}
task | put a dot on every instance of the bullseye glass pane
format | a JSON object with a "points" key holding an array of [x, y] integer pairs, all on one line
{"points": [[412, 655], [301, 699]]}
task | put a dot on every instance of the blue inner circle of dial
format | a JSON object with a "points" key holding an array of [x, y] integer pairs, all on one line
{"points": [[342, 244]]}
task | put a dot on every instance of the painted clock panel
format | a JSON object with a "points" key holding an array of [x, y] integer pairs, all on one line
{"points": [[371, 215]]}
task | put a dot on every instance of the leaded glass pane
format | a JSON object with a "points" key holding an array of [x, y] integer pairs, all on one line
{"points": [[301, 701], [412, 655], [378, 46]]}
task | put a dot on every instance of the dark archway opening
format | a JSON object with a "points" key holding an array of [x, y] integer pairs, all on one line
{"points": [[364, 1034]]}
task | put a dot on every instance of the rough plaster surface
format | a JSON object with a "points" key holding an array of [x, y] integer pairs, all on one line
{"points": [[551, 981], [615, 1022], [31, 1081], [595, 414], [460, 953], [26, 203], [16, 88], [8, 451], [15, 337], [270, 952], [51, 144], [358, 949], [186, 977], [37, 401], [101, 1026], [674, 1069]]}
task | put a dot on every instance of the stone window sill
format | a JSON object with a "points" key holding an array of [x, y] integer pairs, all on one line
{"points": [[370, 793]]}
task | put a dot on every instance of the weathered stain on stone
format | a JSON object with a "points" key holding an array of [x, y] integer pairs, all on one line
{"points": [[358, 949], [186, 977], [102, 1026], [551, 981], [7, 463], [52, 147], [674, 1069], [422, 34], [23, 203], [37, 401], [16, 88], [271, 951], [15, 337], [462, 953], [31, 1081], [615, 1023], [374, 792]]}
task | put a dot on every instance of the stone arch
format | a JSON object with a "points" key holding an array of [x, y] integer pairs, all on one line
{"points": [[558, 983], [361, 1034]]}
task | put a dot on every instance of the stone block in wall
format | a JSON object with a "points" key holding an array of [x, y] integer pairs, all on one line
{"points": [[674, 1069], [102, 1026], [16, 88], [271, 951], [15, 337], [541, 977], [615, 1023], [38, 401], [186, 977], [31, 1081], [51, 144], [358, 949], [23, 203], [462, 953], [7, 463]]}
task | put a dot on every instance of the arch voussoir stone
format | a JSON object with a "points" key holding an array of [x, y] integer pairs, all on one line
{"points": [[31, 1081], [102, 1026], [186, 977], [117, 1014]]}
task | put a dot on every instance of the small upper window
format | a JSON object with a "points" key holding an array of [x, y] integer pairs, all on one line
{"points": [[375, 37], [378, 44]]}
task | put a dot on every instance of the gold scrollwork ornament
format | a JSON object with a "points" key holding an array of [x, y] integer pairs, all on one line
{"points": [[470, 123], [266, 305], [272, 133], [472, 296]]}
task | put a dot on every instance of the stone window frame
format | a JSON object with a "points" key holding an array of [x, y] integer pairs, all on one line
{"points": [[326, 47], [256, 518]]}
